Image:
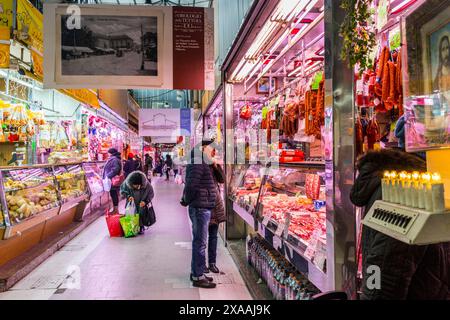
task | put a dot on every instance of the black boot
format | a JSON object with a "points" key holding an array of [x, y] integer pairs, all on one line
{"points": [[203, 283], [141, 230], [213, 268]]}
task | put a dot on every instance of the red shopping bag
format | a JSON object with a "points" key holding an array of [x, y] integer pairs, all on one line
{"points": [[114, 227]]}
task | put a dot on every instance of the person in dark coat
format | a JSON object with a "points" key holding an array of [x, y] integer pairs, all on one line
{"points": [[130, 165], [113, 168], [137, 188], [169, 165], [218, 216], [200, 194], [148, 165], [138, 161], [407, 271]]}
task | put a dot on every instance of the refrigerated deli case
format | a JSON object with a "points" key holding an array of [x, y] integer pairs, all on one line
{"points": [[286, 205], [39, 201]]}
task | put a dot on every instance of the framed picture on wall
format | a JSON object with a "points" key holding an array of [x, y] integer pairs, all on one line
{"points": [[426, 36], [438, 42], [427, 76], [263, 86]]}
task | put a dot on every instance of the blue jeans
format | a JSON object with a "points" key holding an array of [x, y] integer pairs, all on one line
{"points": [[212, 243], [200, 221]]}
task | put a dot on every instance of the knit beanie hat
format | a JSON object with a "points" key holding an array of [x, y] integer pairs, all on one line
{"points": [[136, 179], [113, 151]]}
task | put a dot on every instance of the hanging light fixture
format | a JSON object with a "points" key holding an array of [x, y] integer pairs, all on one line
{"points": [[287, 11]]}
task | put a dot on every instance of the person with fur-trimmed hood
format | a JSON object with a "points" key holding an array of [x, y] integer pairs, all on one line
{"points": [[407, 271], [137, 188]]}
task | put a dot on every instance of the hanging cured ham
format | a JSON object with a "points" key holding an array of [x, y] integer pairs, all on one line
{"points": [[289, 122]]}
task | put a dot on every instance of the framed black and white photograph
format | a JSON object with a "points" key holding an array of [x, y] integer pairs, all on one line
{"points": [[160, 47], [110, 46], [126, 48]]}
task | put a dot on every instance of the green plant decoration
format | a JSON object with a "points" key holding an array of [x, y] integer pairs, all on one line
{"points": [[356, 32]]}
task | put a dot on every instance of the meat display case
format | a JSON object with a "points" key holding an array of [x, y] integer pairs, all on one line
{"points": [[94, 172], [286, 205]]}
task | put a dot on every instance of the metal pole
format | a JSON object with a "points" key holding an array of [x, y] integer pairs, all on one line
{"points": [[341, 223]]}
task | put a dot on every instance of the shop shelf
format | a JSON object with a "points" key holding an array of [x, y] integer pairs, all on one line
{"points": [[70, 203], [308, 164], [294, 249]]}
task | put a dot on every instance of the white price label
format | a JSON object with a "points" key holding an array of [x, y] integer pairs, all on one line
{"points": [[280, 230], [320, 258], [309, 253], [312, 246], [276, 243]]}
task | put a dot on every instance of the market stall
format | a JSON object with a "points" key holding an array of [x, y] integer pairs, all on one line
{"points": [[101, 136], [302, 105], [274, 97], [38, 201]]}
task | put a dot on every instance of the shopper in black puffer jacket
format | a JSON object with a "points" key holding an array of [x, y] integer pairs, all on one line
{"points": [[200, 194], [113, 168], [407, 271]]}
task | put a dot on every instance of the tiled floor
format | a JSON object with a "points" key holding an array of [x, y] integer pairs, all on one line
{"points": [[153, 266]]}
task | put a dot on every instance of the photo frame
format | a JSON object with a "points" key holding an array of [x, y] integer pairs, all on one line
{"points": [[263, 87], [136, 47], [426, 35]]}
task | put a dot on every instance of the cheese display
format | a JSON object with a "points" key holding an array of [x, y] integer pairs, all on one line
{"points": [[34, 190], [29, 192], [71, 185]]}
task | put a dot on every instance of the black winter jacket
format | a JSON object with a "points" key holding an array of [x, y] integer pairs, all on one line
{"points": [[129, 167], [200, 188], [407, 272], [218, 213]]}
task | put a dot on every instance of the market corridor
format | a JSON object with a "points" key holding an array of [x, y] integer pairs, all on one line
{"points": [[153, 266]]}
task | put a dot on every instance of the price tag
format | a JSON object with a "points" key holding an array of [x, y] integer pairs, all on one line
{"points": [[312, 246], [265, 220], [309, 253], [320, 257], [277, 243], [280, 230], [287, 223]]}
